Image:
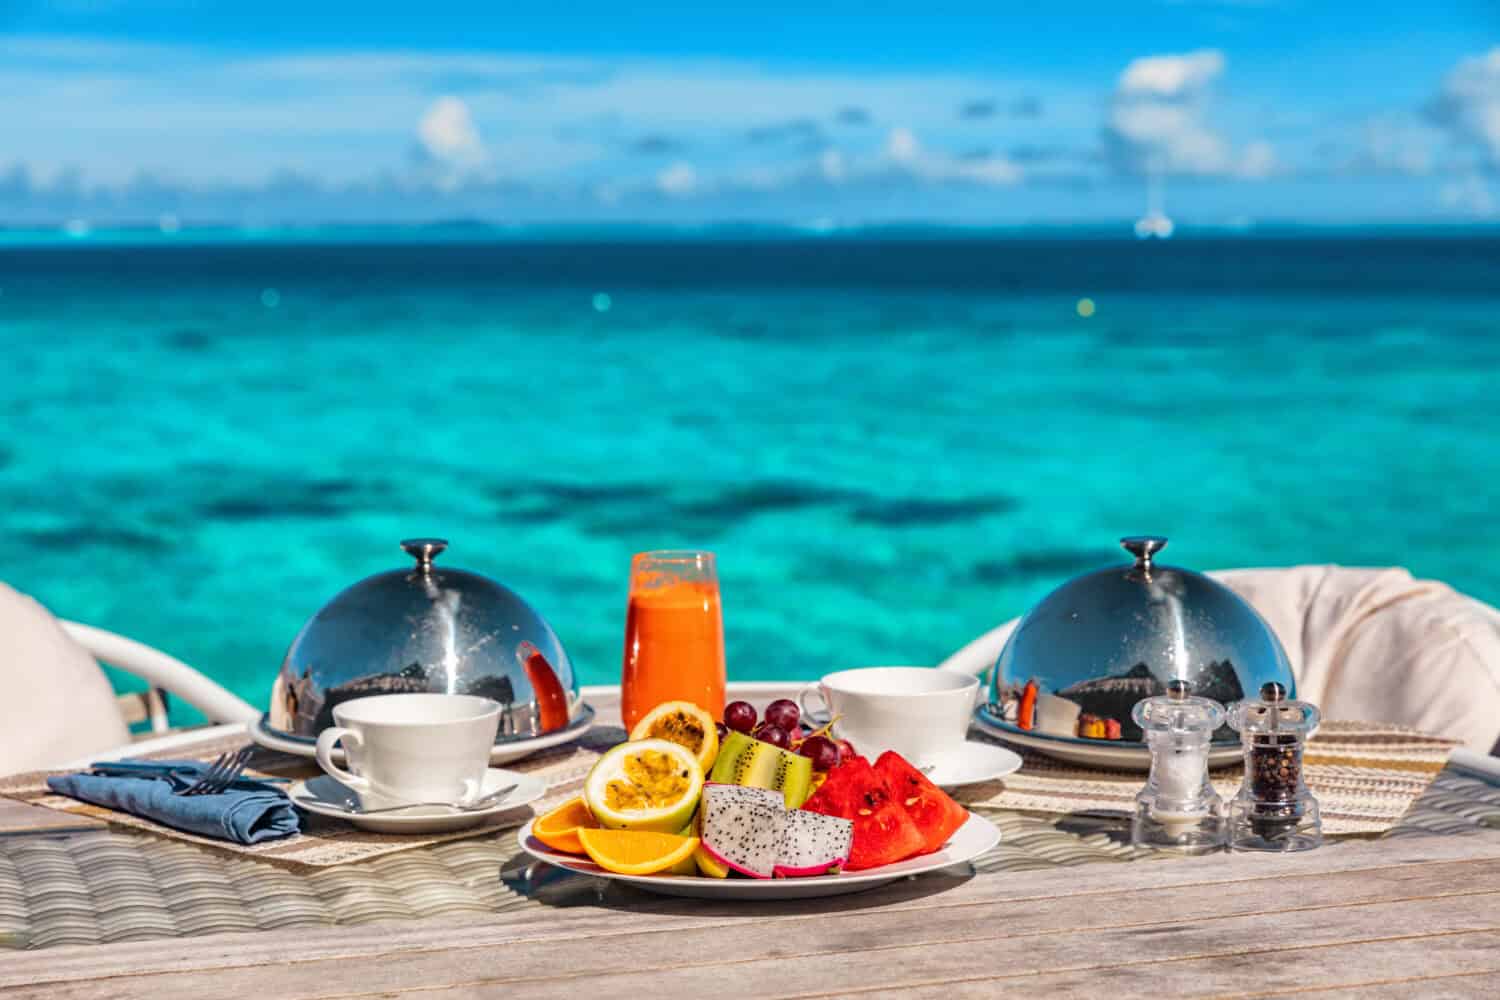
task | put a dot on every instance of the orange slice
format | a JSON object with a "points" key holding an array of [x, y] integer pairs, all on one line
{"points": [[559, 828], [636, 852]]}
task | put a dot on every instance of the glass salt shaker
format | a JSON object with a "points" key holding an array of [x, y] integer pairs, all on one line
{"points": [[1178, 808], [1274, 811]]}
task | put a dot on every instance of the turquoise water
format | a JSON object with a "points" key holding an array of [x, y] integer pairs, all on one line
{"points": [[891, 444]]}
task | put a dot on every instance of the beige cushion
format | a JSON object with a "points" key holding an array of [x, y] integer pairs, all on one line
{"points": [[57, 703], [1379, 645]]}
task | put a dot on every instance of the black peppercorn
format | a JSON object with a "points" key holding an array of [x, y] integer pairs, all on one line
{"points": [[1275, 775]]}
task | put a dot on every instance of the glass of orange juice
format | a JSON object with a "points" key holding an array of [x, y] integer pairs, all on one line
{"points": [[674, 634]]}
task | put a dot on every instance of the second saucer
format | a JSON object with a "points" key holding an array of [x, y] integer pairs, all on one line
{"points": [[970, 764], [326, 797]]}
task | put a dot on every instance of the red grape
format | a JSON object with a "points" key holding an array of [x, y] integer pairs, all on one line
{"points": [[846, 749], [822, 751], [722, 730], [774, 735], [783, 713], [739, 716]]}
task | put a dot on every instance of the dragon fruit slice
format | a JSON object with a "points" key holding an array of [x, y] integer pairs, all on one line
{"points": [[742, 827], [813, 844]]}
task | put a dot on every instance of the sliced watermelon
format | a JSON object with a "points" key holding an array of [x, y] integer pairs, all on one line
{"points": [[883, 832], [933, 810]]}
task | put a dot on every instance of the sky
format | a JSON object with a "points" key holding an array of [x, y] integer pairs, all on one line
{"points": [[178, 113]]}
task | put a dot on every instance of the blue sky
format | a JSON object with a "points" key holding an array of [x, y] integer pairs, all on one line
{"points": [[330, 111]]}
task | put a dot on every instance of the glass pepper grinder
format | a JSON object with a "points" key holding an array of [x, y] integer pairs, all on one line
{"points": [[1274, 811], [1178, 808]]}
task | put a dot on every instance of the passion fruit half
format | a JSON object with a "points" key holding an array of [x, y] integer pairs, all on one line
{"points": [[650, 785], [684, 723]]}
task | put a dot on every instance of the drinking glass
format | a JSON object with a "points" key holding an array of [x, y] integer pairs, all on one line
{"points": [[674, 634]]}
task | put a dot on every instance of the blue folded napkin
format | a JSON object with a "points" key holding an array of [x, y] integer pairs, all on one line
{"points": [[247, 812]]}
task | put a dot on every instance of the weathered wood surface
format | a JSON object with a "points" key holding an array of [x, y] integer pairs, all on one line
{"points": [[22, 818], [1408, 917]]}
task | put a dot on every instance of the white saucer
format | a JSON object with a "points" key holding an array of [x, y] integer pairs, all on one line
{"points": [[976, 762], [502, 753], [327, 797], [968, 842]]}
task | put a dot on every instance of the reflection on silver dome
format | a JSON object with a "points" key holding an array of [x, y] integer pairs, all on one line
{"points": [[1079, 661], [426, 629]]}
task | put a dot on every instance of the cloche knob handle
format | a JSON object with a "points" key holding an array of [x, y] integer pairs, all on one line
{"points": [[1143, 547], [424, 550]]}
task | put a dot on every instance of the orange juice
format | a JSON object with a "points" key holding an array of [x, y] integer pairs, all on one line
{"points": [[674, 637]]}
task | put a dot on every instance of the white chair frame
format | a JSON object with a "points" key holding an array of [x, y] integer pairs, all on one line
{"points": [[165, 675]]}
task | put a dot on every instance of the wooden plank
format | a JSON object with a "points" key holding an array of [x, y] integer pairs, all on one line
{"points": [[1103, 888], [887, 945], [21, 818], [1424, 966], [1451, 986], [1102, 964], [1233, 957]]}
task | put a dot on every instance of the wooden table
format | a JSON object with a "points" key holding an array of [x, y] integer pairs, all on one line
{"points": [[1412, 916]]}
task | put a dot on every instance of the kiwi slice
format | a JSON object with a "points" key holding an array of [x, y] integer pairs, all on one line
{"points": [[744, 760]]}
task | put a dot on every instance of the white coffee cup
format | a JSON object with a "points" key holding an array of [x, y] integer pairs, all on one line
{"points": [[919, 712], [413, 747]]}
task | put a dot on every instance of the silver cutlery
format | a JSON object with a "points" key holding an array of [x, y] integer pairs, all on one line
{"points": [[147, 769], [481, 803], [222, 773]]}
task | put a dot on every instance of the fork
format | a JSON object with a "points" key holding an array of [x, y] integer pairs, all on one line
{"points": [[222, 773]]}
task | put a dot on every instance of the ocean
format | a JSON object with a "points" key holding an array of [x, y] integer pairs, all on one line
{"points": [[893, 440]]}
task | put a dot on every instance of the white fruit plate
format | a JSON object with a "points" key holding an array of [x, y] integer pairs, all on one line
{"points": [[970, 841]]}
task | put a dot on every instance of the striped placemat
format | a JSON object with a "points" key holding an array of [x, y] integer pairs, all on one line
{"points": [[1364, 775], [323, 841]]}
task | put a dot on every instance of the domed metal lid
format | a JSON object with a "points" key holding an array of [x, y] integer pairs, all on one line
{"points": [[426, 629], [1103, 641]]}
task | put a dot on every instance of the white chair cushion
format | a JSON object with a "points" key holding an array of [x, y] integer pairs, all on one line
{"points": [[1379, 645], [1371, 645], [57, 703]]}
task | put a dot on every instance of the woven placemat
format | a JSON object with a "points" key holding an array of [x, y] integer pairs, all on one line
{"points": [[324, 841], [1365, 777]]}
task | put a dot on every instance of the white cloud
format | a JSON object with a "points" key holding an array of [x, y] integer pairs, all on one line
{"points": [[904, 152], [1468, 104], [678, 180], [994, 171], [1171, 77], [901, 145], [448, 135], [1158, 121]]}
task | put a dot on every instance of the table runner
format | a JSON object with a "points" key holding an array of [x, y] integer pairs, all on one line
{"points": [[1364, 775], [113, 884]]}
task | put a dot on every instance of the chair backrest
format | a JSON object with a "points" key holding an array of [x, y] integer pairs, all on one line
{"points": [[58, 704]]}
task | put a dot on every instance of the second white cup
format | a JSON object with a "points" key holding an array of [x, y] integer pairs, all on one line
{"points": [[919, 712], [413, 747]]}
